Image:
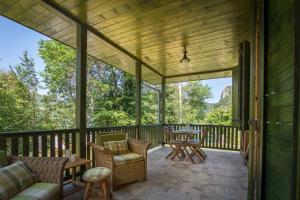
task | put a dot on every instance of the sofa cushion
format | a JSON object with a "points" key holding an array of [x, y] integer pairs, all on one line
{"points": [[3, 159], [117, 136], [117, 147], [39, 191], [127, 158], [14, 178]]}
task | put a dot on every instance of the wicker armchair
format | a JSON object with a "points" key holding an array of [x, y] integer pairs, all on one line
{"points": [[47, 170], [123, 173]]}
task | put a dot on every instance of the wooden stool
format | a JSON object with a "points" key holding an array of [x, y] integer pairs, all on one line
{"points": [[100, 175]]}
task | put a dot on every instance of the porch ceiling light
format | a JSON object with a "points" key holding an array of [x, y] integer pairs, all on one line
{"points": [[185, 60]]}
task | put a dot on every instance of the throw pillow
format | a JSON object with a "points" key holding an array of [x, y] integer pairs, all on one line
{"points": [[117, 147], [14, 178]]}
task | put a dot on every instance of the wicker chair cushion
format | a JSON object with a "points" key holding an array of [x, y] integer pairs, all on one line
{"points": [[127, 158], [96, 174], [117, 147], [3, 159], [38, 191], [101, 138], [14, 178]]}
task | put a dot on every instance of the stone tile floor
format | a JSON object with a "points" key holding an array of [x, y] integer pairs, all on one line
{"points": [[222, 176]]}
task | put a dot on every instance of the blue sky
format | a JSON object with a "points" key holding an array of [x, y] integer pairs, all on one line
{"points": [[15, 39]]}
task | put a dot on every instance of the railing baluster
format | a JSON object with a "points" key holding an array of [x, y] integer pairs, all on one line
{"points": [[59, 145], [52, 145], [14, 146], [224, 137], [212, 132], [232, 136], [67, 146], [3, 144], [236, 139], [67, 141], [94, 141], [35, 146], [74, 143], [44, 146], [88, 139], [25, 145]]}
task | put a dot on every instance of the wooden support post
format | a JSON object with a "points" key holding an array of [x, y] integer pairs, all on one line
{"points": [[138, 101], [163, 108], [81, 78], [163, 101]]}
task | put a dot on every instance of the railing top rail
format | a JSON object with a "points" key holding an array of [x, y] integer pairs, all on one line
{"points": [[146, 125], [36, 132], [210, 125], [109, 127]]}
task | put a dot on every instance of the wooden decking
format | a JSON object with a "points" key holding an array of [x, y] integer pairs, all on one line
{"points": [[222, 176]]}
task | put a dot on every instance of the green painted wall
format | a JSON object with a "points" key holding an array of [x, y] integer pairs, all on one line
{"points": [[279, 105]]}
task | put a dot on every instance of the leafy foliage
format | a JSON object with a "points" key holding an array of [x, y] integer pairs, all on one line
{"points": [[194, 106], [28, 103], [221, 114], [14, 97]]}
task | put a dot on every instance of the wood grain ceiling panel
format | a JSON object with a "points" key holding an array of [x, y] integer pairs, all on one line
{"points": [[204, 76], [156, 31]]}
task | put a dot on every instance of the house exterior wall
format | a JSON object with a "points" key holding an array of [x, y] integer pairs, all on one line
{"points": [[278, 172]]}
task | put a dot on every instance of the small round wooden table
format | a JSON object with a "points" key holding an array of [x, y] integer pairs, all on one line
{"points": [[98, 175]]}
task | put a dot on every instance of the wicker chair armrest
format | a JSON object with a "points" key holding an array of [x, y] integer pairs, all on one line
{"points": [[138, 147], [103, 156]]}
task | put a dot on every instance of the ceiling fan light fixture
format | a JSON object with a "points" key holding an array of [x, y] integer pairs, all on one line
{"points": [[185, 59]]}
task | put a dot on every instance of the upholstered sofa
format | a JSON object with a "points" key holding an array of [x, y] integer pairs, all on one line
{"points": [[126, 167], [47, 183]]}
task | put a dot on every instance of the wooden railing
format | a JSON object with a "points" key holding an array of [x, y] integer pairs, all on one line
{"points": [[152, 133], [39, 143], [219, 136], [53, 143]]}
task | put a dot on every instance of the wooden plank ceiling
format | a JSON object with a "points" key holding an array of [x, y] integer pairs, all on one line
{"points": [[155, 31]]}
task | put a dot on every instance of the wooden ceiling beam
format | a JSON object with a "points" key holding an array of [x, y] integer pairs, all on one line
{"points": [[97, 33], [198, 73]]}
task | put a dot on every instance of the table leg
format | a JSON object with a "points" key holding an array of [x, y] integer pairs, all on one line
{"points": [[189, 155]]}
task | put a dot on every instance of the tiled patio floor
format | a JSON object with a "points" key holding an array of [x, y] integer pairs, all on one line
{"points": [[222, 176]]}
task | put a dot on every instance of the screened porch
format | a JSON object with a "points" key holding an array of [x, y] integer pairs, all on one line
{"points": [[158, 42]]}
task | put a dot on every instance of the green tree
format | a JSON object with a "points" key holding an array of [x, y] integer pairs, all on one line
{"points": [[14, 95], [110, 96], [59, 78], [220, 116], [25, 71], [194, 101], [110, 99], [172, 103], [149, 106]]}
